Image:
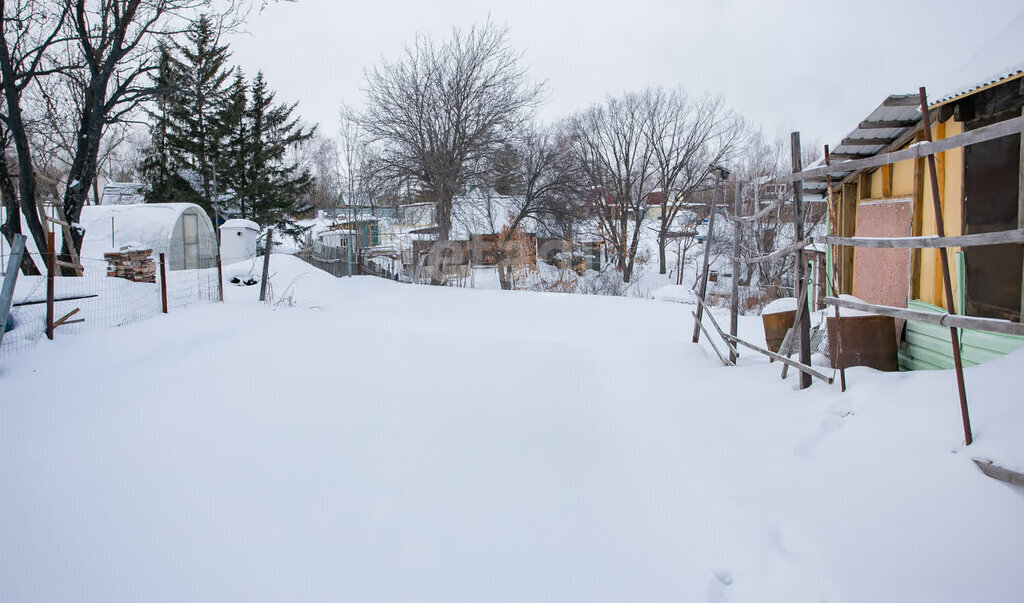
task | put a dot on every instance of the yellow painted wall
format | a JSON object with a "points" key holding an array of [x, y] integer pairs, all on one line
{"points": [[949, 167]]}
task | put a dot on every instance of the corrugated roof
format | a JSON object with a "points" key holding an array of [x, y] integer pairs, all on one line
{"points": [[1003, 75], [897, 114]]}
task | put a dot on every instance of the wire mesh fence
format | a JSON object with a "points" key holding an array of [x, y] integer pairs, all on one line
{"points": [[120, 287]]}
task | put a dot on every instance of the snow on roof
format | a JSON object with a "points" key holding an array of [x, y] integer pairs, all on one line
{"points": [[240, 223], [123, 193]]}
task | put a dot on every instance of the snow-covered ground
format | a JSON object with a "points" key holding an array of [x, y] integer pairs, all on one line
{"points": [[364, 440]]}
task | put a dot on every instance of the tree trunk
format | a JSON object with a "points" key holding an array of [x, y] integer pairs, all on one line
{"points": [[663, 232], [12, 223]]}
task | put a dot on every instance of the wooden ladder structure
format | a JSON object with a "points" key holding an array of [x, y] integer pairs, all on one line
{"points": [[62, 221]]}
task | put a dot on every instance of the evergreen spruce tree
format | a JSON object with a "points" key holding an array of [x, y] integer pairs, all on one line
{"points": [[232, 173], [274, 187], [158, 167], [195, 131]]}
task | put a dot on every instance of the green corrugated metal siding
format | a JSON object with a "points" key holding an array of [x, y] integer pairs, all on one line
{"points": [[927, 346]]}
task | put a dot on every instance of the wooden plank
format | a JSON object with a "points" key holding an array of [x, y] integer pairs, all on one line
{"points": [[922, 149], [64, 319], [929, 242], [793, 363], [901, 100], [991, 325], [761, 213], [865, 142], [714, 323], [1020, 212], [847, 221], [1002, 474], [10, 278], [887, 124], [721, 357], [852, 155], [781, 252]]}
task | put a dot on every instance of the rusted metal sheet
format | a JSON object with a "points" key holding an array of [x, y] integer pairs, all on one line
{"points": [[775, 327], [867, 341]]}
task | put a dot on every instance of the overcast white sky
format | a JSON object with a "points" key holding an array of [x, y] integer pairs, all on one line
{"points": [[817, 67]]}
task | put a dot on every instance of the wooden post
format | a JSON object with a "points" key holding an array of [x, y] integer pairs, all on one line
{"points": [[833, 218], [51, 267], [707, 258], [799, 269], [10, 277], [220, 278], [737, 229], [163, 285], [946, 280], [1020, 213], [266, 264]]}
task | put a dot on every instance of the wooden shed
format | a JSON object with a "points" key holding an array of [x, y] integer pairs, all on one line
{"points": [[981, 190]]}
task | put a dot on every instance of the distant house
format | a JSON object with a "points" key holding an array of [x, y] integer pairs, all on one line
{"points": [[181, 231]]}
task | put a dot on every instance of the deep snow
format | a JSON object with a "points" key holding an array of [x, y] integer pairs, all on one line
{"points": [[371, 441]]}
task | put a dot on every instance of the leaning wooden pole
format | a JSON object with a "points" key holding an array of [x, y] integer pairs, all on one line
{"points": [[734, 308], [834, 230], [707, 257], [10, 278], [946, 280], [800, 275]]}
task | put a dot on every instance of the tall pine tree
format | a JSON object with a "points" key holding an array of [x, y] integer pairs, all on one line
{"points": [[158, 167], [269, 187], [195, 129]]}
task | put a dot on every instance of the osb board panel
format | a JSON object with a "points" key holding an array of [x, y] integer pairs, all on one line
{"points": [[881, 276]]}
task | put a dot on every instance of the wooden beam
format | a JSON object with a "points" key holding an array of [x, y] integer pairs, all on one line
{"points": [[10, 278], [980, 239], [714, 323], [64, 319], [990, 325], [781, 252], [865, 142], [886, 124], [901, 100], [852, 155], [704, 330], [788, 361], [996, 472], [922, 149]]}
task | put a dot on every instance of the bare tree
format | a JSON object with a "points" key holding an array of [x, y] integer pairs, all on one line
{"points": [[612, 146], [686, 137], [542, 177], [438, 113], [30, 29]]}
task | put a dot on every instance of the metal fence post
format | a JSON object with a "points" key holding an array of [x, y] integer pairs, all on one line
{"points": [[163, 285]]}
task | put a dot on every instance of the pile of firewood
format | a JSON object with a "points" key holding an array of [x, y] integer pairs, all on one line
{"points": [[132, 263]]}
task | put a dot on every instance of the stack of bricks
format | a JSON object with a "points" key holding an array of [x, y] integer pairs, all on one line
{"points": [[132, 263]]}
